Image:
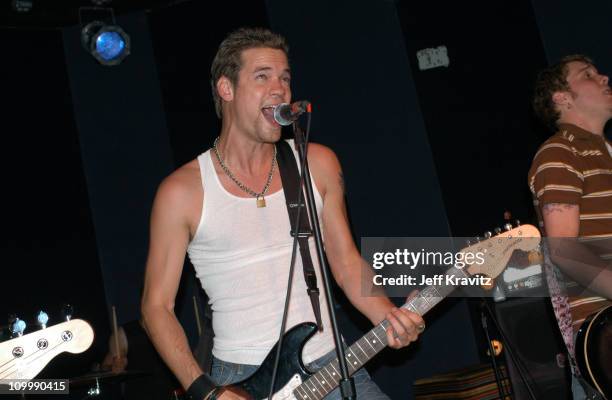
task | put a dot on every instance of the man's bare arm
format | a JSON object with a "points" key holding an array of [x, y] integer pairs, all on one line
{"points": [[346, 264], [562, 224], [169, 237]]}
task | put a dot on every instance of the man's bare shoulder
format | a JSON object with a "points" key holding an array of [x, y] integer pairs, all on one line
{"points": [[325, 168], [181, 186], [323, 158]]}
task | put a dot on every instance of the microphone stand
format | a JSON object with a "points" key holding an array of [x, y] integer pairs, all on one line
{"points": [[496, 368], [347, 385], [520, 367]]}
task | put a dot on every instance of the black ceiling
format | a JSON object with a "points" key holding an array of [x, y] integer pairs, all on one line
{"points": [[47, 14]]}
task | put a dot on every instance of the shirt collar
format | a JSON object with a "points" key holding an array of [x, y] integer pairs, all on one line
{"points": [[578, 132]]}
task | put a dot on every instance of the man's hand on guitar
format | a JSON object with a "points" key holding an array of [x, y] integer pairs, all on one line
{"points": [[406, 326]]}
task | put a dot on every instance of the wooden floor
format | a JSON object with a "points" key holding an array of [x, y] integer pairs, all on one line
{"points": [[473, 383]]}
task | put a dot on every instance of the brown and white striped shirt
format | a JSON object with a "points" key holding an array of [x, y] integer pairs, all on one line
{"points": [[574, 166]]}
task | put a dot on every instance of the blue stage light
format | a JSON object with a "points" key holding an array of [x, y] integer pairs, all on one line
{"points": [[109, 44]]}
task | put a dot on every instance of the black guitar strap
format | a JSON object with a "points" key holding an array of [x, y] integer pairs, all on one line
{"points": [[290, 177]]}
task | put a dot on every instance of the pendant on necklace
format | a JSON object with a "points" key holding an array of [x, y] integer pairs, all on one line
{"points": [[261, 201]]}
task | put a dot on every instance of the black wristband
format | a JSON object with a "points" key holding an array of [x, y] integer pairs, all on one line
{"points": [[201, 387]]}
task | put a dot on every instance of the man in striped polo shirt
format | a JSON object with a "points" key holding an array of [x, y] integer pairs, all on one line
{"points": [[571, 181]]}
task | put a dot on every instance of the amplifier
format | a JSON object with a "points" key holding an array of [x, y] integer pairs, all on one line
{"points": [[523, 279]]}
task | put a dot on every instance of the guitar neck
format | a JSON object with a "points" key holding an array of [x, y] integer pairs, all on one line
{"points": [[327, 378]]}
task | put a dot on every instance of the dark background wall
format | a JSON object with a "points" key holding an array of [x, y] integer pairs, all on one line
{"points": [[565, 30], [367, 110], [125, 152], [48, 241], [477, 110], [434, 152]]}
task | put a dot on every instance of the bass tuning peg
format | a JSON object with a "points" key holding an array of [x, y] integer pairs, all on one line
{"points": [[67, 311], [18, 327], [42, 318]]}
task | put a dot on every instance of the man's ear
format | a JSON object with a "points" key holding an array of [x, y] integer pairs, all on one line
{"points": [[225, 89], [561, 99]]}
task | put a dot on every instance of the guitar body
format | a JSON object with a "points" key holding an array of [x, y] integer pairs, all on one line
{"points": [[594, 351], [291, 369]]}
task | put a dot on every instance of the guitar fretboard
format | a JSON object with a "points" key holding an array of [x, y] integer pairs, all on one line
{"points": [[327, 378]]}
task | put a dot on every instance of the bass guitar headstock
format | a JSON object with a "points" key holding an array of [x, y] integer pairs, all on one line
{"points": [[24, 356]]}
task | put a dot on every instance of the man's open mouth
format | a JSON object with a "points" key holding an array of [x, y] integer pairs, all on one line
{"points": [[268, 112]]}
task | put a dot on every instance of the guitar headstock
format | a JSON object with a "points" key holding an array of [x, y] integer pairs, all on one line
{"points": [[497, 250], [25, 356]]}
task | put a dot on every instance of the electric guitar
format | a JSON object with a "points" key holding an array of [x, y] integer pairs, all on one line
{"points": [[25, 356], [295, 382], [594, 351]]}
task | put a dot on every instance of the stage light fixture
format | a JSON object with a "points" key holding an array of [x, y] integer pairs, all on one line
{"points": [[108, 44]]}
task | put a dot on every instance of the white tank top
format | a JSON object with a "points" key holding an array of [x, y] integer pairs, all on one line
{"points": [[241, 255]]}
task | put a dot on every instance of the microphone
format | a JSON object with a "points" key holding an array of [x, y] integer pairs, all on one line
{"points": [[285, 113]]}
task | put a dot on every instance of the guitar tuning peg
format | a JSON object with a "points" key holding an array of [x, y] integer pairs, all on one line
{"points": [[508, 227], [517, 223], [488, 234], [497, 230], [67, 311], [18, 327], [476, 239], [42, 318], [468, 242]]}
